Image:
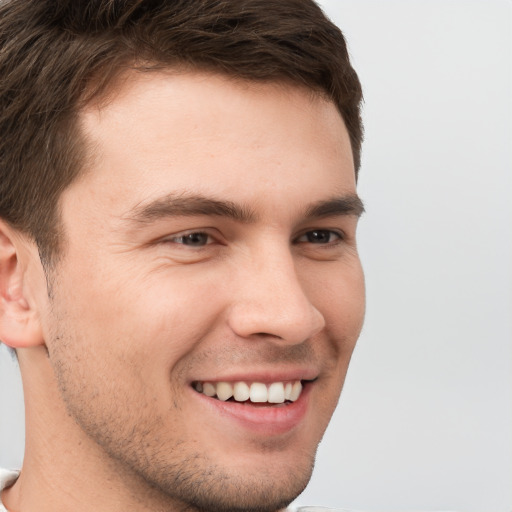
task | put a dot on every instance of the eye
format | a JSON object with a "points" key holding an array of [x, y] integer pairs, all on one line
{"points": [[320, 236], [194, 239]]}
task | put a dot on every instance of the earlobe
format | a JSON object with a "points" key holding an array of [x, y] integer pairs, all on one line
{"points": [[19, 320]]}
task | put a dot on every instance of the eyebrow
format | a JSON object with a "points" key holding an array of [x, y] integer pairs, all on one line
{"points": [[187, 205], [346, 205]]}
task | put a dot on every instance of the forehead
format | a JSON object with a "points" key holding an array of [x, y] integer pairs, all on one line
{"points": [[174, 131]]}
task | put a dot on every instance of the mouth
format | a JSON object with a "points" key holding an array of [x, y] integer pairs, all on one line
{"points": [[254, 393], [262, 406]]}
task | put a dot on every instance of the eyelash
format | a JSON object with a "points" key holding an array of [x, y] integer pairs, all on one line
{"points": [[307, 236], [181, 238], [322, 232]]}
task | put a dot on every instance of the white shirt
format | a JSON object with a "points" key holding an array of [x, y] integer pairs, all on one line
{"points": [[7, 478]]}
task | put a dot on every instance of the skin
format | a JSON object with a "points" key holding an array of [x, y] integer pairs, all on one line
{"points": [[137, 313]]}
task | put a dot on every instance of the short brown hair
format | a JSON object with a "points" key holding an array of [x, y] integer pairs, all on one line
{"points": [[55, 55]]}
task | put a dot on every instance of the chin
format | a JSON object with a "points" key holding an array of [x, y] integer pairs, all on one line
{"points": [[198, 484], [255, 493]]}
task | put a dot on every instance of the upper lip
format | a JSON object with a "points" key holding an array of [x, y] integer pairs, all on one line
{"points": [[264, 376]]}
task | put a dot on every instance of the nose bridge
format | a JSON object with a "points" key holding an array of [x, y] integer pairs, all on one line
{"points": [[273, 301]]}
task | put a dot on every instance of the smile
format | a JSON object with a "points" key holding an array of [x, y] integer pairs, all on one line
{"points": [[255, 392]]}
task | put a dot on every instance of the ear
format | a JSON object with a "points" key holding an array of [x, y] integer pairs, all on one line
{"points": [[19, 319]]}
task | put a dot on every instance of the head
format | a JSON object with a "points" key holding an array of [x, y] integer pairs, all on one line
{"points": [[58, 56], [178, 214]]}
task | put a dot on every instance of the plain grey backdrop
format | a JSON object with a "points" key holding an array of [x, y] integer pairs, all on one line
{"points": [[425, 419]]}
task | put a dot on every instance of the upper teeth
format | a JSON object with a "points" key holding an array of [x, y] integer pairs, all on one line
{"points": [[274, 393]]}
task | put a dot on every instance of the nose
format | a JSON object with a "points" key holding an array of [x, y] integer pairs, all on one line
{"points": [[271, 302]]}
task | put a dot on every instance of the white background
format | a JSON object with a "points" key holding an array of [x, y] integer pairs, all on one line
{"points": [[425, 420]]}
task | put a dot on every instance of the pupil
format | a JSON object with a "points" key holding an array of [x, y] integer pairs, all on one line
{"points": [[318, 236], [196, 239]]}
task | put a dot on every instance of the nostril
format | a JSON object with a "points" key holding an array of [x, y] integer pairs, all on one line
{"points": [[267, 335]]}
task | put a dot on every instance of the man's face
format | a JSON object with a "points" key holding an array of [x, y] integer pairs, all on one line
{"points": [[211, 240]]}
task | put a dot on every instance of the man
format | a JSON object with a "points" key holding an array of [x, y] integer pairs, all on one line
{"points": [[178, 265]]}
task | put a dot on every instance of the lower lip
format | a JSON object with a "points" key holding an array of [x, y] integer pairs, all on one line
{"points": [[260, 419]]}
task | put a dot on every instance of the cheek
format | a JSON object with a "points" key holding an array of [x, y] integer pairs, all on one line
{"points": [[342, 303], [151, 321], [339, 294]]}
